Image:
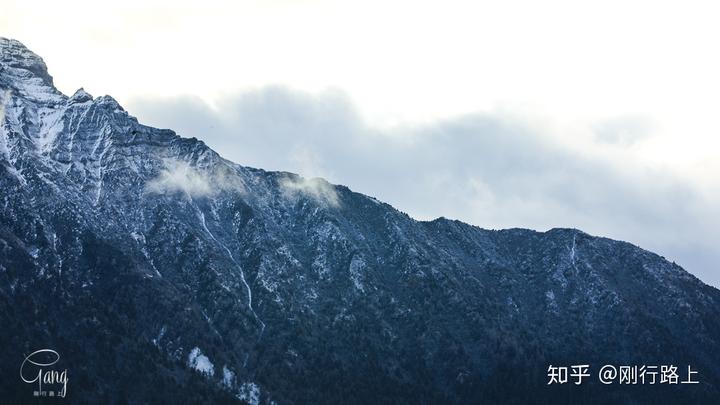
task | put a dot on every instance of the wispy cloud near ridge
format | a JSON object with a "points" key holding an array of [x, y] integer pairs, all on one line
{"points": [[180, 176], [316, 188]]}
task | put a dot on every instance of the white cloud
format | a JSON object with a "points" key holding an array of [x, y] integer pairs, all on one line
{"points": [[625, 130], [316, 188], [180, 176]]}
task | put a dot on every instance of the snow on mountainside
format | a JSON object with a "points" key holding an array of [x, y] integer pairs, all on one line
{"points": [[163, 272]]}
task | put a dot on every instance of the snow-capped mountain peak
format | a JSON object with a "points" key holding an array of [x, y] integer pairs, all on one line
{"points": [[151, 264], [24, 72]]}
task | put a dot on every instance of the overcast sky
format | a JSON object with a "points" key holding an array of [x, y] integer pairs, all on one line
{"points": [[595, 115]]}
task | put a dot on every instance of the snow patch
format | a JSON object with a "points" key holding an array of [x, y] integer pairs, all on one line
{"points": [[52, 127], [201, 216], [160, 335], [80, 96], [200, 362], [4, 99], [572, 251], [228, 377], [250, 393], [320, 265], [357, 264], [551, 301]]}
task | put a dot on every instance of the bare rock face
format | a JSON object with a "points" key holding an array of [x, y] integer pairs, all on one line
{"points": [[162, 272]]}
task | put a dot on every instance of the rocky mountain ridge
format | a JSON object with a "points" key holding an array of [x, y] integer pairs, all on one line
{"points": [[161, 271]]}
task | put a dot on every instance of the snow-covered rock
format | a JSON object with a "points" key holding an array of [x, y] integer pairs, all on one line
{"points": [[200, 362]]}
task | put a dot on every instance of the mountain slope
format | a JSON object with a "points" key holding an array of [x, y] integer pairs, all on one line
{"points": [[161, 271]]}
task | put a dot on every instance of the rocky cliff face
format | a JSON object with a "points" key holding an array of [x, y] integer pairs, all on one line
{"points": [[161, 272]]}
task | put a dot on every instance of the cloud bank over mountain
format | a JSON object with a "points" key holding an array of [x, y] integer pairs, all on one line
{"points": [[492, 169]]}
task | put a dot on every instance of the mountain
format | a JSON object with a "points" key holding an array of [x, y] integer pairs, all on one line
{"points": [[161, 273]]}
